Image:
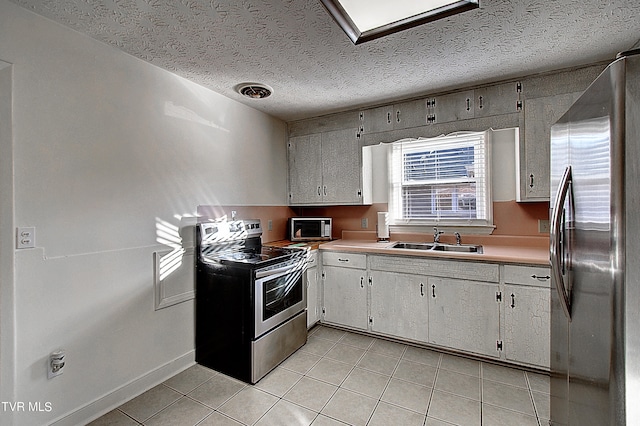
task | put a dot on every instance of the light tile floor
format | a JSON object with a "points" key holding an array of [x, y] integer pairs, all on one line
{"points": [[341, 378]]}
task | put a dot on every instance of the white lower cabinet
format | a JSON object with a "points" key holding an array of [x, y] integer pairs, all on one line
{"points": [[487, 309], [527, 311], [400, 305], [464, 315], [311, 281], [344, 278]]}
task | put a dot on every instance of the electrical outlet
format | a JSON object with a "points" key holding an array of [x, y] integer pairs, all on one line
{"points": [[365, 223], [56, 363], [25, 237], [270, 225], [543, 226]]}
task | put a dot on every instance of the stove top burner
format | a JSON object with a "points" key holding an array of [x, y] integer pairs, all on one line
{"points": [[249, 256], [242, 256], [238, 244]]}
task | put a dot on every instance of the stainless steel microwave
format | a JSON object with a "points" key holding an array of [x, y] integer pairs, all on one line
{"points": [[309, 229]]}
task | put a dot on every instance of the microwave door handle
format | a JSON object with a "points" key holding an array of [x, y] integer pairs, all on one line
{"points": [[555, 250]]}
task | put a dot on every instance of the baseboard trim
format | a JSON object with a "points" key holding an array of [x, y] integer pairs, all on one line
{"points": [[126, 392]]}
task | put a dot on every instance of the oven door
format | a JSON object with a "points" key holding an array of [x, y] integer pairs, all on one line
{"points": [[280, 294]]}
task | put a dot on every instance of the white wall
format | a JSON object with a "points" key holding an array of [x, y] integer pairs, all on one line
{"points": [[503, 164], [105, 147]]}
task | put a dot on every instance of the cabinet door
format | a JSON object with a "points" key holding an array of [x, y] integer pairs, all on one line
{"points": [[453, 107], [313, 312], [527, 324], [345, 297], [305, 169], [399, 305], [410, 114], [464, 315], [534, 148], [378, 119], [341, 167], [497, 99]]}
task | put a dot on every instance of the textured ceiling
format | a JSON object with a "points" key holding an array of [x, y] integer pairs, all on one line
{"points": [[295, 47]]}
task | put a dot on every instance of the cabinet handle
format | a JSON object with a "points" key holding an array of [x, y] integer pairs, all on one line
{"points": [[398, 116], [361, 282], [480, 102], [540, 278], [433, 290], [342, 260], [531, 180], [388, 118], [421, 289], [324, 189], [319, 191], [468, 104], [513, 300]]}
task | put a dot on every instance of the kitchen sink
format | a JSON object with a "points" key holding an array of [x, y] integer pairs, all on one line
{"points": [[413, 246], [457, 248]]}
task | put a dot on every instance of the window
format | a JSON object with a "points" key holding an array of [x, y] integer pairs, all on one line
{"points": [[443, 180]]}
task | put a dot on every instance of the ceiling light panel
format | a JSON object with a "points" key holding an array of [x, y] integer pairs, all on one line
{"points": [[367, 14], [365, 20]]}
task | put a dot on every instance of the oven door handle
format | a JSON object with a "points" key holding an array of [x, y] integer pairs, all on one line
{"points": [[276, 271]]}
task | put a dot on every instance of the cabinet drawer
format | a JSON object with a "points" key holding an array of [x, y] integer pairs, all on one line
{"points": [[345, 260], [537, 276], [312, 259], [487, 272]]}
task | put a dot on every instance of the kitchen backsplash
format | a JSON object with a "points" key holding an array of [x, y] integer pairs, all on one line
{"points": [[276, 215], [511, 218]]}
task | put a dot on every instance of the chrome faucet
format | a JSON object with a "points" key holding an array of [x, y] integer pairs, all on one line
{"points": [[436, 235], [458, 238]]}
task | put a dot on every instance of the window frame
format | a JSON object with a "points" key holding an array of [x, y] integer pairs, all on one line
{"points": [[455, 140]]}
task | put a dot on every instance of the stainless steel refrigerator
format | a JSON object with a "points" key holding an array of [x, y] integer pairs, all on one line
{"points": [[595, 252]]}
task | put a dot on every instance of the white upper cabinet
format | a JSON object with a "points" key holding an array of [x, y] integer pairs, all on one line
{"points": [[498, 99], [452, 107], [305, 169], [534, 147], [410, 114], [376, 120], [393, 117], [329, 168]]}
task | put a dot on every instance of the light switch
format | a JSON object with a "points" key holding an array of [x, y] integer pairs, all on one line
{"points": [[25, 237]]}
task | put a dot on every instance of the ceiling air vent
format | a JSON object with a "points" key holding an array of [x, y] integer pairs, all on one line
{"points": [[254, 90]]}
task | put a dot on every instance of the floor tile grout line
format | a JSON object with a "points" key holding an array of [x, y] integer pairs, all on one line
{"points": [[371, 349], [178, 400], [481, 393], [225, 401], [220, 413], [533, 401], [433, 388], [118, 408]]}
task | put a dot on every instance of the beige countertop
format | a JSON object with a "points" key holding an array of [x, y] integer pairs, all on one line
{"points": [[503, 253]]}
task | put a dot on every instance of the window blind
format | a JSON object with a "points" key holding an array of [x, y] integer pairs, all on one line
{"points": [[440, 180]]}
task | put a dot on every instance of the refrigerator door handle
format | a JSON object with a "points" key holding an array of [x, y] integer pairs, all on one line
{"points": [[555, 243]]}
